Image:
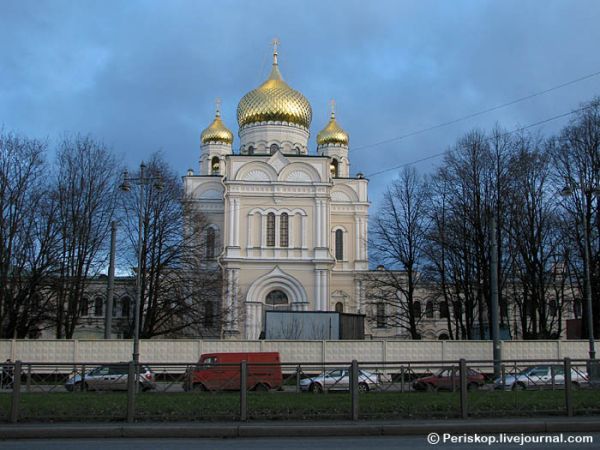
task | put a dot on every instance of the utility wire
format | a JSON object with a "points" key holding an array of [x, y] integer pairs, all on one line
{"points": [[479, 113], [541, 122]]}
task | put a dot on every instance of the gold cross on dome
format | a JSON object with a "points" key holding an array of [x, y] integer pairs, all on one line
{"points": [[218, 106], [275, 44], [332, 102]]}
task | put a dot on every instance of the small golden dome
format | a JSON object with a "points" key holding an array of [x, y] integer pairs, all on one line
{"points": [[217, 131], [274, 101], [332, 133]]}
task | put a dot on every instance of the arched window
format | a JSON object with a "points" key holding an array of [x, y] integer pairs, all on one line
{"points": [[271, 229], [210, 243], [251, 150], [577, 307], [276, 298], [552, 308], [209, 319], [339, 307], [215, 166], [417, 310], [125, 306], [283, 230], [297, 150], [274, 148], [443, 337], [429, 309], [36, 301], [380, 316], [503, 307], [333, 168], [444, 313], [339, 245], [457, 308], [85, 306], [98, 303]]}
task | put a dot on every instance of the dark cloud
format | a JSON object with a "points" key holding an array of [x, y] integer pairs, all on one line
{"points": [[143, 75]]}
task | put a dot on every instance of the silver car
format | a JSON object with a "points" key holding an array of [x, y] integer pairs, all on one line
{"points": [[112, 377], [339, 380], [541, 377]]}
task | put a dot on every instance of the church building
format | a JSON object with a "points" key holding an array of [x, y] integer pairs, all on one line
{"points": [[287, 224]]}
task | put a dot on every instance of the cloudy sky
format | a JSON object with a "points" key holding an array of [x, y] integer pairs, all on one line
{"points": [[143, 75]]}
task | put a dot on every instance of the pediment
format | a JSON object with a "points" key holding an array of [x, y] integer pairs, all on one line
{"points": [[278, 161]]}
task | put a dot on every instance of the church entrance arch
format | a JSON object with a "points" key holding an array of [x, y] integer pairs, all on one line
{"points": [[277, 299], [275, 290]]}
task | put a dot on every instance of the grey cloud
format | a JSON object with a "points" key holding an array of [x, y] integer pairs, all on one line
{"points": [[143, 75]]}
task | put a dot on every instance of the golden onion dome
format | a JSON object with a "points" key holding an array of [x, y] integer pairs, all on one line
{"points": [[274, 101], [217, 131], [332, 133]]}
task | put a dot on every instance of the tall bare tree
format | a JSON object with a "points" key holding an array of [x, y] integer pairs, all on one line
{"points": [[535, 243], [27, 236], [577, 163], [468, 189], [84, 195], [179, 294], [399, 231]]}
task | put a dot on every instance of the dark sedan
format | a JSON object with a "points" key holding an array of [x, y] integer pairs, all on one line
{"points": [[448, 379]]}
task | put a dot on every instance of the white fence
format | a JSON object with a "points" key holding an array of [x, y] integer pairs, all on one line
{"points": [[189, 350]]}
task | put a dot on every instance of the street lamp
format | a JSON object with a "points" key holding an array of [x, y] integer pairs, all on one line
{"points": [[142, 181], [594, 191]]}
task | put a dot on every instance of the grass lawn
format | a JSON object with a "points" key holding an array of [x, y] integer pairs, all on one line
{"points": [[92, 406]]}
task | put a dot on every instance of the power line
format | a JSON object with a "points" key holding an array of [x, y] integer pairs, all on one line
{"points": [[541, 122], [479, 113]]}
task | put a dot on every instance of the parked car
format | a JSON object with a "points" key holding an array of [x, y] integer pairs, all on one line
{"points": [[541, 377], [221, 372], [448, 379], [7, 375], [339, 380], [111, 377]]}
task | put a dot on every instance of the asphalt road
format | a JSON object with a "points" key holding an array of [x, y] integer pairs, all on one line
{"points": [[307, 443]]}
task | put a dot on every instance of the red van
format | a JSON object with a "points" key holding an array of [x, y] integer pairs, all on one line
{"points": [[221, 372]]}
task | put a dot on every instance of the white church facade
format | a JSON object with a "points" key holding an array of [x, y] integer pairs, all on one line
{"points": [[288, 226]]}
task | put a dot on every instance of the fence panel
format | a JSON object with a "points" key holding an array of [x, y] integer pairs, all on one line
{"points": [[45, 350], [295, 351], [344, 351], [414, 350], [189, 350]]}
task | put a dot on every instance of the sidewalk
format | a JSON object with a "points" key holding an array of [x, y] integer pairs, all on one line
{"points": [[292, 429]]}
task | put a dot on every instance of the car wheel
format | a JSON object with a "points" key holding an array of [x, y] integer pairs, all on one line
{"points": [[316, 388], [261, 387], [518, 387], [472, 386], [430, 387], [77, 386], [363, 387], [199, 387]]}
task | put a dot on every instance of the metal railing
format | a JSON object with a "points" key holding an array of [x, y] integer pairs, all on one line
{"points": [[247, 390]]}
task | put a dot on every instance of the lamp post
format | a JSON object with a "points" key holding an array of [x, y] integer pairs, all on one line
{"points": [[142, 181], [594, 191]]}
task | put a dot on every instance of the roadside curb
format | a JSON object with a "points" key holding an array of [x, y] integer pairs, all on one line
{"points": [[266, 429]]}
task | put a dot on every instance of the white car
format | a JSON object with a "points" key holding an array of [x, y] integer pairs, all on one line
{"points": [[542, 377], [339, 380], [111, 377]]}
